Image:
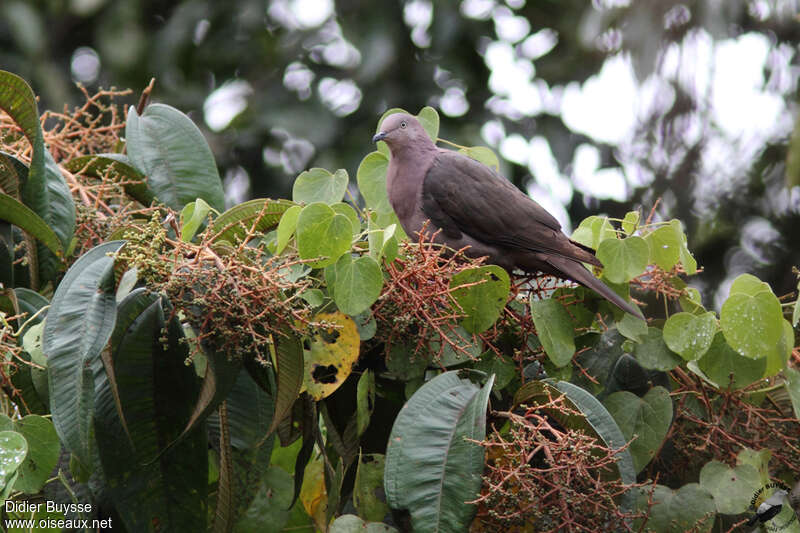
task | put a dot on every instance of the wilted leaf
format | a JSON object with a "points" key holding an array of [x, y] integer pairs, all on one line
{"points": [[334, 351]]}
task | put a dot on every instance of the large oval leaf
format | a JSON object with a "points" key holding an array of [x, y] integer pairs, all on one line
{"points": [[79, 323], [166, 146], [154, 390], [433, 467]]}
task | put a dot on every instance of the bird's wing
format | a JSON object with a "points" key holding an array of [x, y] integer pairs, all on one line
{"points": [[460, 194]]}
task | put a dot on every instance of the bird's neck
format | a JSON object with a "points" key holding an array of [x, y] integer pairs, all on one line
{"points": [[405, 175]]}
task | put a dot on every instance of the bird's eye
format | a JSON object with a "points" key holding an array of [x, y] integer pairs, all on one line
{"points": [[403, 124]]}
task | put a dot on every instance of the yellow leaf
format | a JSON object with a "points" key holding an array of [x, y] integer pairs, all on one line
{"points": [[313, 494], [334, 351]]}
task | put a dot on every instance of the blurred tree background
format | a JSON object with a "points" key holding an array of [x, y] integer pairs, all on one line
{"points": [[595, 107]]}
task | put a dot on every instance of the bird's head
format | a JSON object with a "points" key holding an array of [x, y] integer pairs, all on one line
{"points": [[400, 130]]}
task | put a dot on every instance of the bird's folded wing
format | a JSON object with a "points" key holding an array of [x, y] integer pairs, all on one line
{"points": [[461, 195]]}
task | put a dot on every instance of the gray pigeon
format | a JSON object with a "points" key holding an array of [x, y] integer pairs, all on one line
{"points": [[474, 206]]}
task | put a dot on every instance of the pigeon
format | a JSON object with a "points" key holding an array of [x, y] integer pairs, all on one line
{"points": [[467, 204]]}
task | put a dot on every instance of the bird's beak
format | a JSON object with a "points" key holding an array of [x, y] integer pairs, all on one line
{"points": [[381, 135]]}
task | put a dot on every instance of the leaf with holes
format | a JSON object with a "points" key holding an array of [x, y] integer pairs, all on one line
{"points": [[334, 350]]}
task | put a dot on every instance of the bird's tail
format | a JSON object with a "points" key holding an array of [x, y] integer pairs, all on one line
{"points": [[578, 273]]}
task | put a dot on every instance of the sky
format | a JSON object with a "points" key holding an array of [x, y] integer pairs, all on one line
{"points": [[746, 109]]}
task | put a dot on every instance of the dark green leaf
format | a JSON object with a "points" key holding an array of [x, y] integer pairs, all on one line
{"points": [[166, 146], [365, 400], [368, 490], [120, 166], [431, 468], [679, 511], [79, 323], [644, 420], [653, 352], [289, 376], [154, 390]]}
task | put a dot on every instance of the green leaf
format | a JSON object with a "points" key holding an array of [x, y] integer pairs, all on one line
{"points": [[322, 233], [319, 185], [44, 449], [346, 210], [601, 422], [24, 218], [79, 323], [120, 167], [482, 154], [13, 449], [469, 347], [554, 329], [792, 385], [748, 284], [192, 217], [630, 222], [690, 335], [678, 511], [623, 259], [429, 119], [481, 294], [268, 511], [350, 523], [632, 327], [13, 174], [644, 420], [261, 214], [365, 401], [286, 227], [432, 469], [368, 489], [151, 387], [753, 324], [593, 230], [166, 146], [45, 190], [722, 365], [732, 488], [358, 284], [371, 179], [653, 352], [289, 376], [665, 247]]}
